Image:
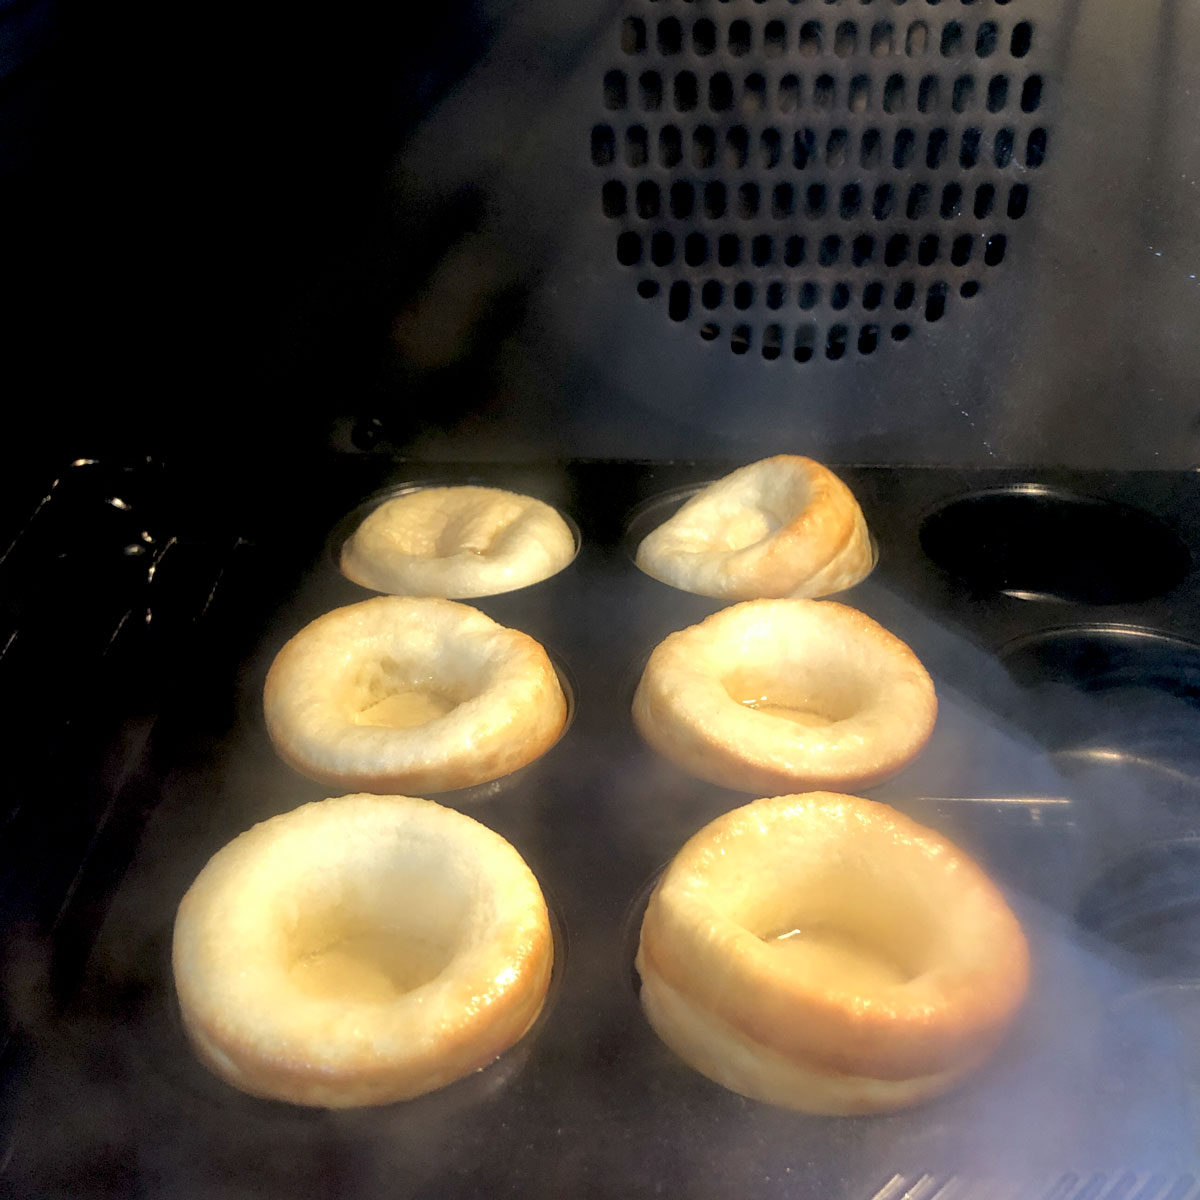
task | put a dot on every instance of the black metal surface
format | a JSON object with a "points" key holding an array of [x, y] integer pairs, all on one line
{"points": [[103, 1098]]}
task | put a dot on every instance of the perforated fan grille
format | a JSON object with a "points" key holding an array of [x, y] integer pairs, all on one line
{"points": [[814, 178]]}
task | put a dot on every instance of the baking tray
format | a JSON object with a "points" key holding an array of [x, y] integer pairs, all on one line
{"points": [[1063, 758]]}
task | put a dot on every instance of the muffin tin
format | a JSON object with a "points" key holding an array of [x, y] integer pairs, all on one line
{"points": [[1065, 759]]}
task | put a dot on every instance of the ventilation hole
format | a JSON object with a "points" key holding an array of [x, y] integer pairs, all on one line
{"points": [[839, 296], [648, 200], [776, 295], [739, 340], [906, 293], [720, 92], [993, 251], [762, 250], [670, 36], [772, 342], [935, 302], [612, 199], [1018, 200], [686, 94], [775, 39], [714, 200], [893, 94], [882, 36], [835, 343], [633, 35], [997, 96], [872, 148], [902, 148], [815, 198], [900, 332], [810, 39], [960, 251], [885, 201], [704, 146], [985, 197], [604, 145], [936, 147], [1002, 149], [729, 249], [802, 350], [712, 294], [737, 147], [845, 40], [896, 250], [868, 339], [831, 249], [858, 99], [704, 37], [952, 39], [928, 93], [808, 296], [927, 250], [964, 93], [873, 295], [951, 200], [754, 94], [771, 148], [789, 93], [1031, 94], [1035, 148], [835, 148], [862, 249], [616, 94], [650, 90], [695, 250], [1022, 39], [918, 201], [969, 288], [987, 37], [670, 146], [803, 144], [748, 200], [917, 40], [710, 332], [793, 250], [637, 151], [743, 295], [629, 249], [647, 289], [850, 201], [824, 92], [683, 200], [662, 249], [679, 301], [968, 154], [739, 38]]}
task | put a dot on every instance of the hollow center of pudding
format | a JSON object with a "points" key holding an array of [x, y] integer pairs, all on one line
{"points": [[743, 527], [406, 708], [371, 965], [395, 695], [797, 700], [832, 957]]}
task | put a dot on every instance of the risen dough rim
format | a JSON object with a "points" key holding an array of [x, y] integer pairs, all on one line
{"points": [[457, 542], [508, 705], [784, 526], [726, 1000], [824, 653], [408, 868]]}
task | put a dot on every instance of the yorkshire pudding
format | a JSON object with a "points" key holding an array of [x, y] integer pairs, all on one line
{"points": [[457, 542], [414, 694], [785, 526], [359, 951], [827, 954], [773, 694]]}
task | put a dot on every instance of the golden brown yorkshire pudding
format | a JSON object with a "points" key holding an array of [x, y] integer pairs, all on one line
{"points": [[773, 694], [827, 954], [785, 526], [457, 542], [402, 693], [360, 950]]}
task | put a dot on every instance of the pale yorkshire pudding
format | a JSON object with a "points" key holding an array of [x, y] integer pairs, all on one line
{"points": [[401, 693], [457, 542], [360, 950], [785, 526], [773, 694], [827, 954]]}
